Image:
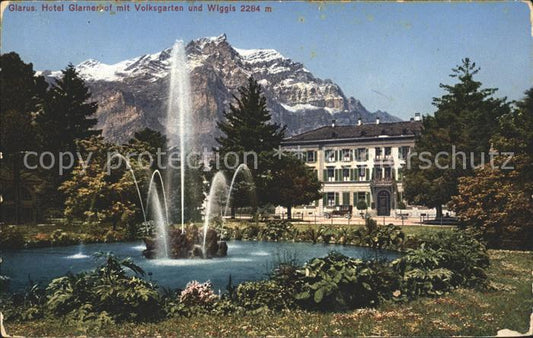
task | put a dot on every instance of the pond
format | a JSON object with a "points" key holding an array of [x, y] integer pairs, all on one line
{"points": [[246, 260]]}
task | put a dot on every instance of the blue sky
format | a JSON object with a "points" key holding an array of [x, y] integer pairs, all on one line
{"points": [[391, 56]]}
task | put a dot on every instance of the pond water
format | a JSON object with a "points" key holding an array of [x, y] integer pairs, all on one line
{"points": [[246, 260]]}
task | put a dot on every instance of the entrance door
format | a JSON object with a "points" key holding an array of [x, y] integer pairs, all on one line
{"points": [[383, 203]]}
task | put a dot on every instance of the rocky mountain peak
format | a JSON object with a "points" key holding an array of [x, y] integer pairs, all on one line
{"points": [[132, 94]]}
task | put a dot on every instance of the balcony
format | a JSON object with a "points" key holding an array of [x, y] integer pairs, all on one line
{"points": [[382, 182], [384, 159]]}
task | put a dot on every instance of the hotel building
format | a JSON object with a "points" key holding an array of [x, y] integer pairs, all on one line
{"points": [[357, 162]]}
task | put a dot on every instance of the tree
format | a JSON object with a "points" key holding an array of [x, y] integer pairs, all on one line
{"points": [[98, 195], [466, 118], [294, 184], [21, 97], [247, 128], [498, 199], [68, 114]]}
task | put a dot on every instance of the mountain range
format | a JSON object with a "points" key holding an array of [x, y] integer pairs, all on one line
{"points": [[132, 94]]}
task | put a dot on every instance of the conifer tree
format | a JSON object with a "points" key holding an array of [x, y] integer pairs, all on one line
{"points": [[466, 118]]}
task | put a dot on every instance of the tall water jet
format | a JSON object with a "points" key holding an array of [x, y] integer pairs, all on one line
{"points": [[178, 123], [218, 185], [247, 176]]}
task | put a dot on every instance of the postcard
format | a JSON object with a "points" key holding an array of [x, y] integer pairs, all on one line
{"points": [[266, 168]]}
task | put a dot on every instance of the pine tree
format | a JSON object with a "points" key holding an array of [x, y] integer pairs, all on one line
{"points": [[68, 114], [21, 96], [466, 118], [247, 127]]}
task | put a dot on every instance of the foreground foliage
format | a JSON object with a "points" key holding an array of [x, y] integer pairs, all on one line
{"points": [[506, 303]]}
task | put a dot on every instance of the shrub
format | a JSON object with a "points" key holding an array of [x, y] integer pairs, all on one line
{"points": [[108, 292], [361, 205], [443, 261], [198, 294], [276, 230], [337, 282], [380, 237], [263, 294], [251, 232], [11, 237]]}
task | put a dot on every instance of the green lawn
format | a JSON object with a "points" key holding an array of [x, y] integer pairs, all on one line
{"points": [[463, 312]]}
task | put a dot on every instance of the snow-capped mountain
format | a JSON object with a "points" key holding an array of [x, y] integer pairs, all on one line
{"points": [[132, 94]]}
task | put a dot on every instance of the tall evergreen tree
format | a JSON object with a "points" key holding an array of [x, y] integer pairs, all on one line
{"points": [[68, 114], [466, 118], [247, 127], [21, 97]]}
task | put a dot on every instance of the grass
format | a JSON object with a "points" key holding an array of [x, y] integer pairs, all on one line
{"points": [[506, 304]]}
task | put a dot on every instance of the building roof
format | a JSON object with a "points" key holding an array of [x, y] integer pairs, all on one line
{"points": [[354, 132]]}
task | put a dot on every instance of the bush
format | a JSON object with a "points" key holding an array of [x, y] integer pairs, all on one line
{"points": [[11, 237], [361, 205], [198, 294], [263, 294], [337, 282], [276, 230], [443, 261], [380, 237], [107, 293]]}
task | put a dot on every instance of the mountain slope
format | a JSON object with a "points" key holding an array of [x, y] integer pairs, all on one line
{"points": [[132, 94]]}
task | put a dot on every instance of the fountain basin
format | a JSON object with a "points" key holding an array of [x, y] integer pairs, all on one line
{"points": [[246, 261]]}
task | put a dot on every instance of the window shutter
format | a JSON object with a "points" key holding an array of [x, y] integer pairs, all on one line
{"points": [[366, 154], [352, 175], [400, 173], [345, 198], [367, 197], [325, 200], [325, 175], [367, 174], [355, 199], [336, 198]]}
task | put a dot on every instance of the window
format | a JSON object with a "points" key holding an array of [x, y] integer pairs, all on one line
{"points": [[403, 152], [361, 154], [361, 196], [377, 172], [362, 173], [330, 155], [387, 151], [378, 152], [346, 174], [388, 172], [330, 200], [331, 174], [310, 156], [346, 155]]}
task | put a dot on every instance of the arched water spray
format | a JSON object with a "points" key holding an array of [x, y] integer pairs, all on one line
{"points": [[150, 187], [128, 167], [248, 177], [160, 224], [178, 124], [218, 182]]}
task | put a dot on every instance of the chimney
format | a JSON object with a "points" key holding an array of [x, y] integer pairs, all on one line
{"points": [[377, 120], [417, 117], [359, 121], [332, 123]]}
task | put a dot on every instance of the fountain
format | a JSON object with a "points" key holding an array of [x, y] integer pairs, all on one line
{"points": [[188, 241]]}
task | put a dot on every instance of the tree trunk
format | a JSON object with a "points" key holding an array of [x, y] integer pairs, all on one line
{"points": [[16, 186], [289, 212], [439, 211]]}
